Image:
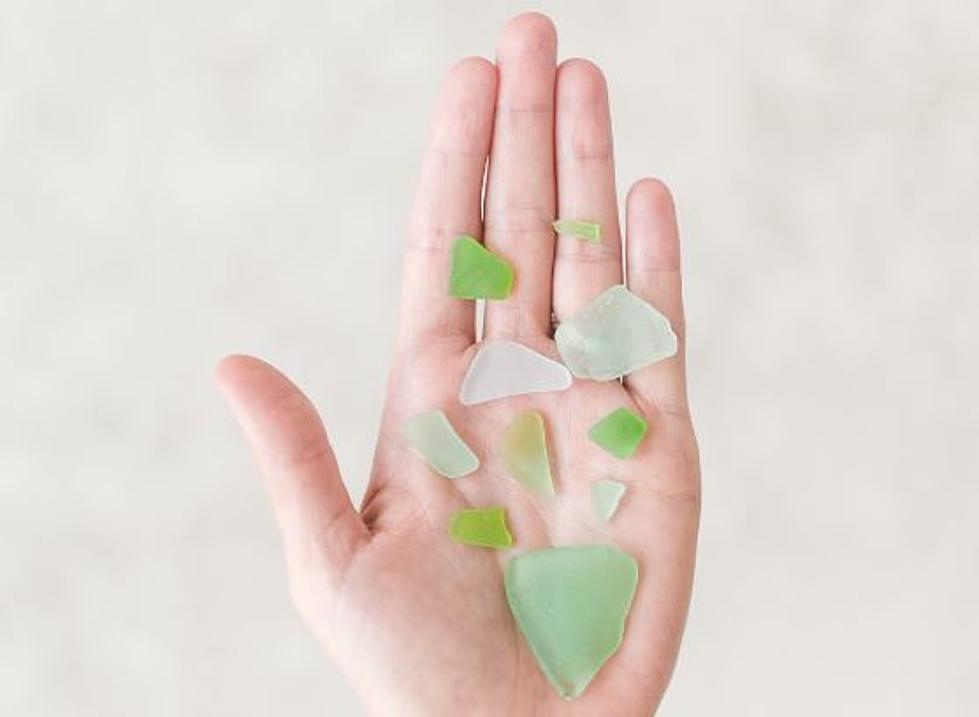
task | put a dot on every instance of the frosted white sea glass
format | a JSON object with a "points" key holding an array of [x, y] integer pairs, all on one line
{"points": [[505, 368]]}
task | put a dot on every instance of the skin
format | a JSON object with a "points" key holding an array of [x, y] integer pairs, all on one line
{"points": [[419, 624]]}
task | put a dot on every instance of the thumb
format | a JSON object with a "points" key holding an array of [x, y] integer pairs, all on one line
{"points": [[320, 528]]}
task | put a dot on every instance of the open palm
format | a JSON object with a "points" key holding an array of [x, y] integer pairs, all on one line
{"points": [[419, 624]]}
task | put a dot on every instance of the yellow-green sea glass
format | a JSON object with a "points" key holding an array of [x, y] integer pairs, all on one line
{"points": [[524, 451], [433, 438], [606, 494], [620, 432], [614, 335], [485, 527], [589, 231], [571, 605], [478, 273]]}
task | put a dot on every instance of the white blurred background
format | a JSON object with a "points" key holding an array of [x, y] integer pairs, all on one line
{"points": [[184, 179]]}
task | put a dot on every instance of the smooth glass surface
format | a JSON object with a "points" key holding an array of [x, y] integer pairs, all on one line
{"points": [[614, 335], [478, 273], [433, 438], [507, 368], [524, 450], [620, 432], [606, 494], [485, 527], [571, 605]]}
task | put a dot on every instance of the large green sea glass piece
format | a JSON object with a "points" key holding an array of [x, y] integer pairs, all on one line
{"points": [[571, 604], [433, 438], [478, 273], [524, 451], [614, 335], [606, 494], [589, 231], [485, 527], [620, 432]]}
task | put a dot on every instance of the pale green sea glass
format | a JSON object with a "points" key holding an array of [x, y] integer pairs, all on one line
{"points": [[606, 494], [614, 335], [524, 450], [589, 231], [571, 604], [433, 438], [620, 432], [478, 273], [485, 527]]}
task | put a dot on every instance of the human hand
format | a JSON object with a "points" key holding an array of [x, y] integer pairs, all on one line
{"points": [[418, 623]]}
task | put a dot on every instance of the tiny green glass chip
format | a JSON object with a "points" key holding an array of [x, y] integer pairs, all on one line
{"points": [[589, 231], [485, 527], [620, 432], [478, 273]]}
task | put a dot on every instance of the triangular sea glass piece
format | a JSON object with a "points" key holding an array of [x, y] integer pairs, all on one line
{"points": [[620, 432], [571, 604], [605, 497], [506, 368], [524, 451], [433, 438], [485, 527], [616, 334], [478, 273]]}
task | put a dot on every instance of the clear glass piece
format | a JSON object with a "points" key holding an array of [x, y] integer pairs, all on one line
{"points": [[620, 432], [485, 527], [589, 231], [524, 451], [478, 273], [433, 438], [606, 494], [614, 335], [506, 368], [571, 604]]}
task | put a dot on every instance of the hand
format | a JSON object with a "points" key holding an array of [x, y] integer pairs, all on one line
{"points": [[417, 623]]}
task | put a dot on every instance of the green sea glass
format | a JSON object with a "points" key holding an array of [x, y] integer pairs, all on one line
{"points": [[589, 231], [478, 273], [605, 497], [614, 335], [620, 432], [485, 527], [524, 450], [433, 438], [571, 604]]}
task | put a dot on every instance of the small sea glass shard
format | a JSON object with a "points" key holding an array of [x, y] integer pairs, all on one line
{"points": [[485, 527], [605, 497], [478, 273], [433, 438], [620, 432], [614, 335], [571, 604], [506, 368], [524, 451], [589, 231]]}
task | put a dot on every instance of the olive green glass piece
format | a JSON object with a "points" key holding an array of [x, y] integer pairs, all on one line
{"points": [[524, 451], [605, 497], [620, 432], [571, 605], [478, 273], [589, 231], [485, 527], [433, 438]]}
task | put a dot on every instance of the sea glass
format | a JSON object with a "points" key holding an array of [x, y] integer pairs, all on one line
{"points": [[589, 231], [485, 527], [620, 432], [506, 368], [606, 494], [571, 604], [433, 438], [478, 273], [524, 451], [614, 335]]}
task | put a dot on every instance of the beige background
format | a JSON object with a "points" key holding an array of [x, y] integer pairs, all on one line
{"points": [[186, 178]]}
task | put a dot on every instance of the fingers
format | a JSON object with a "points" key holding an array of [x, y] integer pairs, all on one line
{"points": [[520, 201], [585, 187], [653, 264], [448, 202], [319, 525]]}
